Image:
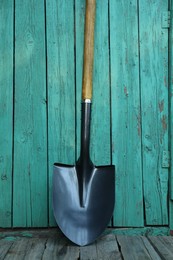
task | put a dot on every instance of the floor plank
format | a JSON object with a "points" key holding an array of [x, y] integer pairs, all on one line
{"points": [[132, 248], [18, 250], [89, 252], [107, 248], [163, 245], [35, 248], [61, 248], [153, 254], [4, 247]]}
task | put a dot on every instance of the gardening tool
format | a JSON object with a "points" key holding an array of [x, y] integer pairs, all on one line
{"points": [[84, 194]]}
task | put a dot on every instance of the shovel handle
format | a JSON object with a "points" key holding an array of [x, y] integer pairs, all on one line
{"points": [[88, 49]]}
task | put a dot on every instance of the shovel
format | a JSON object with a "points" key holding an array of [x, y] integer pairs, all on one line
{"points": [[84, 194]]}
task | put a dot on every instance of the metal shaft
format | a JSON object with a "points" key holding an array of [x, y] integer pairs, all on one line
{"points": [[84, 163]]}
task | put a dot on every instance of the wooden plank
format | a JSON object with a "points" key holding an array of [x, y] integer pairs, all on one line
{"points": [[153, 254], [18, 250], [51, 248], [35, 248], [79, 40], [4, 248], [100, 125], [60, 248], [89, 252], [107, 248], [154, 97], [126, 125], [6, 110], [61, 86], [163, 245], [30, 131], [132, 247]]}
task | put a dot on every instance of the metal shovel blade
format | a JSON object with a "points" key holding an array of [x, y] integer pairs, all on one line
{"points": [[84, 222]]}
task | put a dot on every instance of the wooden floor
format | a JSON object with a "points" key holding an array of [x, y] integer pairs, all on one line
{"points": [[51, 244]]}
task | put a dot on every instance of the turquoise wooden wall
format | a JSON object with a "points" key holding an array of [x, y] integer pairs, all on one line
{"points": [[41, 54]]}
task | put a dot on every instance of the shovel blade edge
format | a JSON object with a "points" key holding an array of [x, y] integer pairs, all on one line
{"points": [[83, 225]]}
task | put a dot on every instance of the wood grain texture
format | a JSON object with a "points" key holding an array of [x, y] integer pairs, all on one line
{"points": [[153, 254], [154, 97], [107, 248], [88, 49], [61, 86], [6, 111], [30, 130], [17, 250], [126, 121], [4, 248], [163, 245], [59, 247], [134, 248], [100, 122]]}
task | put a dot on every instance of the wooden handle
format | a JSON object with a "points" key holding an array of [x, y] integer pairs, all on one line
{"points": [[88, 49]]}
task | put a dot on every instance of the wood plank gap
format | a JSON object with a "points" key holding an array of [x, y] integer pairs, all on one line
{"points": [[119, 248], [151, 250], [110, 88], [107, 247], [140, 105], [75, 78], [132, 248], [14, 68], [46, 101]]}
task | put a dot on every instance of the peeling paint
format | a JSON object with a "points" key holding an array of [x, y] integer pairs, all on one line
{"points": [[126, 91], [165, 81], [164, 122], [139, 124], [161, 105]]}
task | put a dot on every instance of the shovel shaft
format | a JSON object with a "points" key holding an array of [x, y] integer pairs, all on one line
{"points": [[84, 158], [84, 164], [88, 49]]}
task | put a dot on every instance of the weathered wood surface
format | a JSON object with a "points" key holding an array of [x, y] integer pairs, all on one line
{"points": [[154, 109], [61, 86], [6, 111], [126, 125], [30, 128], [51, 244], [41, 58]]}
